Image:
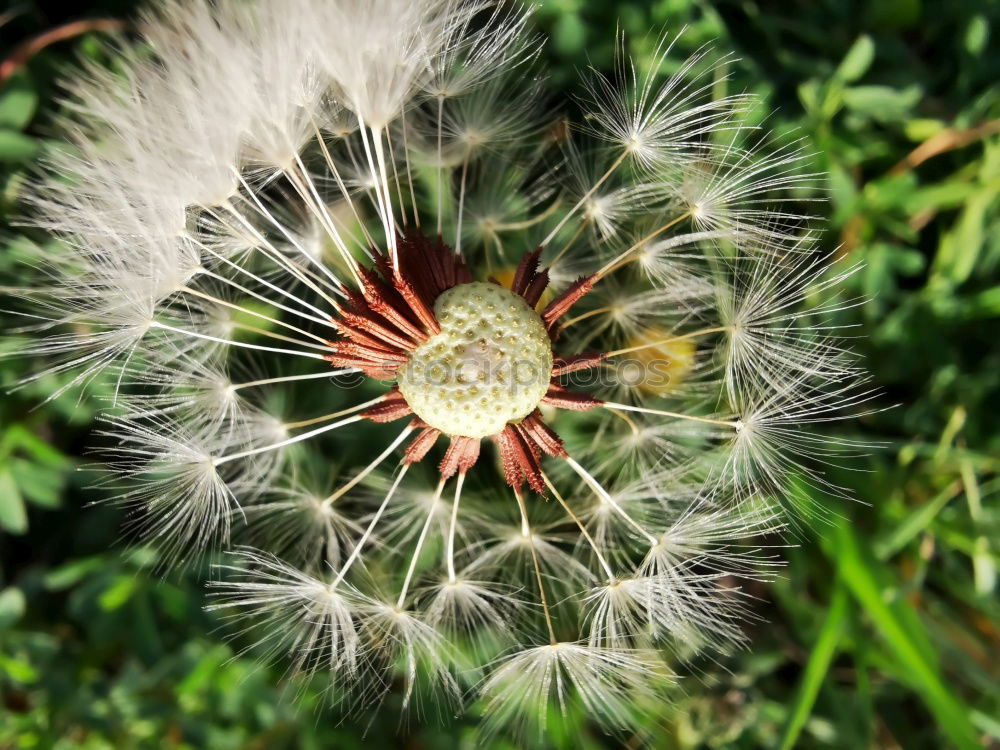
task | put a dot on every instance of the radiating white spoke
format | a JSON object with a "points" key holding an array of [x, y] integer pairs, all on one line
{"points": [[322, 316], [292, 378], [440, 165], [583, 529], [371, 527], [228, 342], [528, 534], [307, 190], [420, 544], [292, 239], [384, 181], [332, 166], [395, 177], [586, 196], [276, 256], [734, 424], [461, 206], [409, 173], [605, 496], [333, 415], [288, 441], [370, 467], [628, 255], [660, 342], [452, 526], [255, 314]]}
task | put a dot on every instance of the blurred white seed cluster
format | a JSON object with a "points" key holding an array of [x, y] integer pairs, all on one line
{"points": [[221, 190]]}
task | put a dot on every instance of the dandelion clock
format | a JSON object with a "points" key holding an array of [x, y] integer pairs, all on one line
{"points": [[465, 387]]}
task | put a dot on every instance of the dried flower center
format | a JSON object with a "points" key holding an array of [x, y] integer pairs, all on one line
{"points": [[491, 363]]}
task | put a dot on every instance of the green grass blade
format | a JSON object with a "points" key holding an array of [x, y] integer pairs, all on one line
{"points": [[817, 667], [900, 629], [905, 531]]}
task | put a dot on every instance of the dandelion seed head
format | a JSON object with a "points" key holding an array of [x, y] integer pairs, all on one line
{"points": [[458, 372], [488, 366]]}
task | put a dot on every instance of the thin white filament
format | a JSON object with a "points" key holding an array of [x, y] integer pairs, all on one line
{"points": [[420, 544], [452, 526], [605, 497], [586, 196], [583, 529], [370, 467], [371, 527], [287, 441], [671, 414], [291, 378], [227, 342]]}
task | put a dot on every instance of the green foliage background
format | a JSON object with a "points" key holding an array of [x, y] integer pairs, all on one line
{"points": [[885, 629]]}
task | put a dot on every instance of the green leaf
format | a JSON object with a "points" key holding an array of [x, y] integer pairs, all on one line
{"points": [[817, 667], [842, 187], [959, 250], [17, 670], [986, 723], [72, 572], [809, 92], [939, 196], [882, 103], [984, 571], [118, 593], [985, 304], [39, 484], [977, 34], [922, 128], [569, 34], [12, 606], [13, 517], [15, 146], [857, 60], [21, 437], [18, 101], [203, 672]]}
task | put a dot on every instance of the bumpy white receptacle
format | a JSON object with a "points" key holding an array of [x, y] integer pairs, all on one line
{"points": [[490, 365]]}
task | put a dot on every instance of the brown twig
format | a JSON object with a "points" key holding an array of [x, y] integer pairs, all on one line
{"points": [[940, 143], [946, 140], [28, 49]]}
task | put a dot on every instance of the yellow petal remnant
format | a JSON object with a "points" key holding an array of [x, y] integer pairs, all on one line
{"points": [[664, 366], [505, 277]]}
